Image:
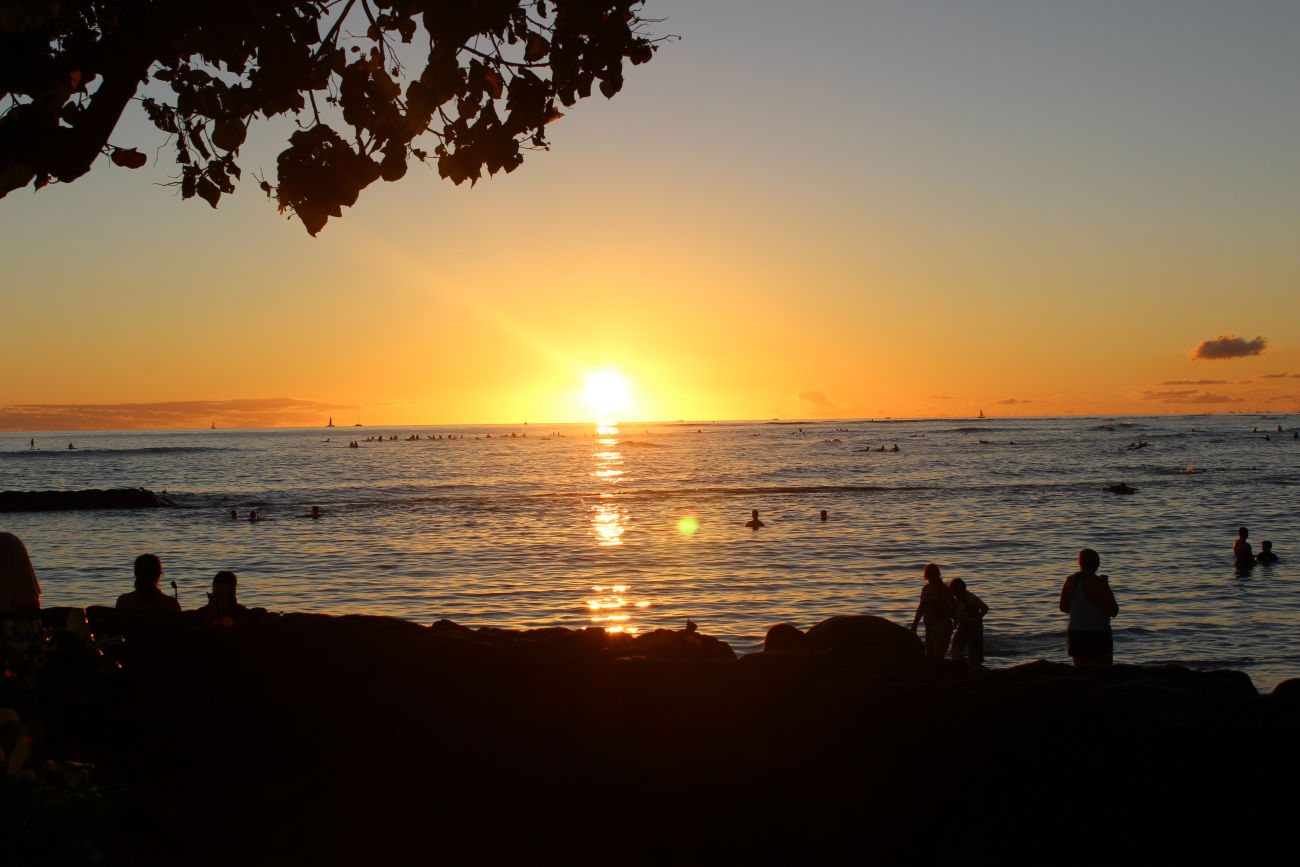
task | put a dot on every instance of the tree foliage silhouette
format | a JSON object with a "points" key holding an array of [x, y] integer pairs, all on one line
{"points": [[495, 74]]}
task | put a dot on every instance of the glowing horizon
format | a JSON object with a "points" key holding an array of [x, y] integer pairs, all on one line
{"points": [[981, 211]]}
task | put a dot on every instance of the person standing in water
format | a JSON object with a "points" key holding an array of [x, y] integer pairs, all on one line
{"points": [[1088, 599], [753, 523], [936, 609], [1242, 556], [968, 617]]}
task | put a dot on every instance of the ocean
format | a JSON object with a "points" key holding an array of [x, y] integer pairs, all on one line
{"points": [[640, 526]]}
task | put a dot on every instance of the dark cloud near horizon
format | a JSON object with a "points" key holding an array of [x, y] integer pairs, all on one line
{"points": [[1188, 396], [250, 412], [817, 399], [1011, 401], [1194, 382], [1228, 346], [1286, 374]]}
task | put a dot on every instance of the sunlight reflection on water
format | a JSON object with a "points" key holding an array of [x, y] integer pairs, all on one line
{"points": [[529, 531]]}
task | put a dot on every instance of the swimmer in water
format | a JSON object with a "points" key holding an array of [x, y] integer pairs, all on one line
{"points": [[753, 523], [234, 514], [1266, 554], [253, 517], [823, 515]]}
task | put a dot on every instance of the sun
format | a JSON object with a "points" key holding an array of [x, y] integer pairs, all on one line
{"points": [[606, 394]]}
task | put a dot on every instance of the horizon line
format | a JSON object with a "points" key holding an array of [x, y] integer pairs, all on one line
{"points": [[679, 421]]}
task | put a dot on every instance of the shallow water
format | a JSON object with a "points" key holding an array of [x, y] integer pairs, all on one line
{"points": [[573, 526]]}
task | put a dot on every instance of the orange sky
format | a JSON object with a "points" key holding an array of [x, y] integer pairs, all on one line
{"points": [[835, 210]]}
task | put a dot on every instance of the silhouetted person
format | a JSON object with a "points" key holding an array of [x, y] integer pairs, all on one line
{"points": [[315, 512], [146, 596], [234, 514], [71, 446], [936, 609], [253, 517], [753, 523], [968, 615], [823, 515], [1087, 598], [1242, 556], [222, 605], [33, 442], [20, 593], [1266, 554]]}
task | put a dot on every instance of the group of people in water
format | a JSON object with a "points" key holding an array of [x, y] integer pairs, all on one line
{"points": [[1242, 556], [954, 617]]}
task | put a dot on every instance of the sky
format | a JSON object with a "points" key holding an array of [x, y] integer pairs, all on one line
{"points": [[813, 210]]}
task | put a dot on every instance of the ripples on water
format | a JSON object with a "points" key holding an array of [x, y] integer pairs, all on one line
{"points": [[641, 527]]}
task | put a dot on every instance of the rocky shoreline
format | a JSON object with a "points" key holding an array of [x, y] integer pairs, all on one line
{"points": [[301, 738]]}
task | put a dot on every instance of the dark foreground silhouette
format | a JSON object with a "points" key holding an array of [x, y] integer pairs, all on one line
{"points": [[310, 739]]}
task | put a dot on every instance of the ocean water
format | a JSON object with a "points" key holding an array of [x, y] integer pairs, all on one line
{"points": [[641, 526]]}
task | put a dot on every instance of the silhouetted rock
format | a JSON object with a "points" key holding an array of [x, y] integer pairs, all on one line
{"points": [[1288, 688], [301, 735], [51, 501], [877, 637], [784, 636]]}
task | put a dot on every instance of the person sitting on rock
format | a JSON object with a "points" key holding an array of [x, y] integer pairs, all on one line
{"points": [[1266, 554], [936, 609], [19, 591], [146, 596], [968, 613], [223, 608]]}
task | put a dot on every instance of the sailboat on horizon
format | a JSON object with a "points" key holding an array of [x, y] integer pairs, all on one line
{"points": [[331, 424]]}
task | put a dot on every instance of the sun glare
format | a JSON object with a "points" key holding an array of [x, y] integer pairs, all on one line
{"points": [[606, 394]]}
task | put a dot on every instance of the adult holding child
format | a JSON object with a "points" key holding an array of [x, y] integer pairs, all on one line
{"points": [[1088, 599]]}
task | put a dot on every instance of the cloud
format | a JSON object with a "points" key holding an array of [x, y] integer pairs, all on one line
{"points": [[1188, 396], [1228, 346], [943, 397], [1011, 401], [817, 399], [259, 412], [1194, 382], [1286, 374]]}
